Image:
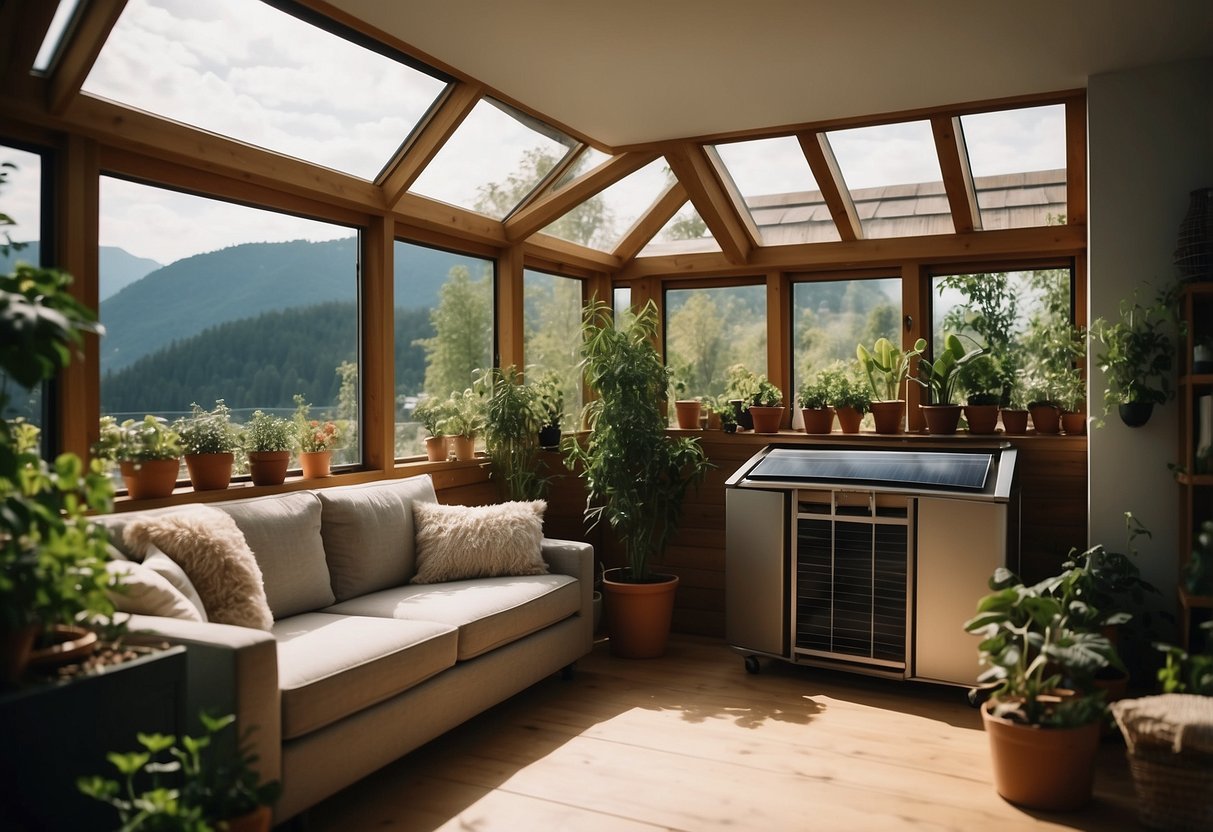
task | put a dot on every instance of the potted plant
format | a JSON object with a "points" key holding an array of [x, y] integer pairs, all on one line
{"points": [[513, 415], [983, 385], [815, 394], [210, 441], [1015, 414], [52, 557], [1071, 394], [463, 421], [431, 411], [941, 379], [766, 411], [1043, 738], [1136, 355], [723, 412], [551, 399], [848, 396], [740, 388], [1043, 406], [317, 439], [886, 368], [686, 409], [268, 441], [636, 474], [187, 784], [148, 453]]}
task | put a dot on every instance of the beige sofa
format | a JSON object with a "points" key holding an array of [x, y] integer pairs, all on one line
{"points": [[361, 666]]}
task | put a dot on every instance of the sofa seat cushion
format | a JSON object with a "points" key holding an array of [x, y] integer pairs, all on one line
{"points": [[489, 612], [331, 666]]}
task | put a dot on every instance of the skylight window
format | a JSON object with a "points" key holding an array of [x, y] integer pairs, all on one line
{"points": [[685, 233], [892, 171], [495, 158], [53, 41], [1018, 160], [246, 70], [602, 221], [779, 190]]}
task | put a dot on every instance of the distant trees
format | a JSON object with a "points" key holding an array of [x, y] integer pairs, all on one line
{"points": [[462, 323]]}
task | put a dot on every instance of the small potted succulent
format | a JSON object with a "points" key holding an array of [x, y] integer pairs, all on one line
{"points": [[317, 440], [431, 411], [463, 422], [767, 410], [148, 453], [848, 396], [268, 440], [210, 442], [886, 368]]}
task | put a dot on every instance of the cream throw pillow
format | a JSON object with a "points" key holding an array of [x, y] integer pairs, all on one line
{"points": [[171, 571], [211, 549], [457, 542], [142, 591]]}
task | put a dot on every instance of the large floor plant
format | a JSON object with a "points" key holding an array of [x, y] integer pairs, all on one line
{"points": [[636, 474]]}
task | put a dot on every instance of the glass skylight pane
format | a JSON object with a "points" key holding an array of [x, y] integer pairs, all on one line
{"points": [[588, 160], [892, 171], [779, 190], [246, 70], [495, 158], [602, 221], [54, 35], [1018, 159], [685, 233]]}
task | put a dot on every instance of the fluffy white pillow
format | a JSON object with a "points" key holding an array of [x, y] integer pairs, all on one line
{"points": [[171, 571], [143, 592], [457, 542], [210, 547]]}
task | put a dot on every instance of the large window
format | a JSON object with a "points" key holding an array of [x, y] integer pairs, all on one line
{"points": [[21, 241], [444, 330], [206, 300], [707, 330], [551, 319]]}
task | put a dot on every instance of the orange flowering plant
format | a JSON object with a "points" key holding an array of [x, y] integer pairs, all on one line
{"points": [[314, 434]]}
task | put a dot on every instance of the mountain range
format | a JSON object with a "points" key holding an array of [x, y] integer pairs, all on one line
{"points": [[119, 268]]}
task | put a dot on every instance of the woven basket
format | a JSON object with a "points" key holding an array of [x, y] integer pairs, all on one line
{"points": [[1170, 741]]}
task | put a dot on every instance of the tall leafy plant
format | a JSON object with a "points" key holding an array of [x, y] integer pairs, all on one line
{"points": [[636, 474], [1137, 352], [513, 414]]}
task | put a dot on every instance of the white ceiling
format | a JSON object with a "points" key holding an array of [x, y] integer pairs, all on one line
{"points": [[631, 71]]}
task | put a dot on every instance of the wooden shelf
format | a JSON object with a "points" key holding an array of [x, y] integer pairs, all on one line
{"points": [[1195, 480], [1195, 302], [1196, 379], [1193, 602]]}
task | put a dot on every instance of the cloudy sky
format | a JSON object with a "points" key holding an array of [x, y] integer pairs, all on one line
{"points": [[248, 71]]}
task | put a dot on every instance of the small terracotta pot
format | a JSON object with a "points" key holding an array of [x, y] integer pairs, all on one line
{"points": [[68, 643], [849, 419], [982, 418], [210, 472], [268, 467], [1045, 418], [1014, 421], [258, 820], [766, 419], [889, 416], [1042, 768], [316, 464], [818, 420], [638, 615], [151, 478], [713, 420], [464, 447], [435, 448], [1074, 424], [942, 419], [687, 413]]}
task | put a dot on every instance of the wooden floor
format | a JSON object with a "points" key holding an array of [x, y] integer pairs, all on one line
{"points": [[693, 742]]}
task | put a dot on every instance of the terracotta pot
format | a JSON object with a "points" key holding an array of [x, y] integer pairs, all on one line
{"points": [[1074, 424], [316, 464], [268, 467], [849, 419], [15, 647], [66, 644], [818, 420], [889, 416], [982, 418], [713, 420], [464, 447], [638, 615], [1045, 418], [210, 472], [942, 419], [1042, 768], [151, 478], [687, 413], [435, 448], [1014, 421], [766, 419], [257, 820]]}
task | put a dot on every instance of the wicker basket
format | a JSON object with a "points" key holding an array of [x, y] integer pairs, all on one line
{"points": [[1170, 740]]}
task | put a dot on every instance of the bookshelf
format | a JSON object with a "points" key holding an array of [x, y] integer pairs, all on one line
{"points": [[1196, 475]]}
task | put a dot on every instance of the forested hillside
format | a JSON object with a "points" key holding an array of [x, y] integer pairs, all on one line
{"points": [[118, 267]]}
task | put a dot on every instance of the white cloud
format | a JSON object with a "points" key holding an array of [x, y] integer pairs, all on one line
{"points": [[888, 154], [21, 197]]}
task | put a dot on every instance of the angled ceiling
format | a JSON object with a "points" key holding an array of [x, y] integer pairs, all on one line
{"points": [[628, 72]]}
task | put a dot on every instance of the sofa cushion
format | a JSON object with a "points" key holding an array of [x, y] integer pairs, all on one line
{"points": [[142, 591], [331, 666], [489, 612], [171, 571], [283, 530], [459, 542], [368, 533]]}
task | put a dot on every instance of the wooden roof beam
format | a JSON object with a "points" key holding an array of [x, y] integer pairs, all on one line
{"points": [[411, 160], [23, 25], [833, 188], [957, 173], [652, 221], [92, 26], [552, 206], [722, 216]]}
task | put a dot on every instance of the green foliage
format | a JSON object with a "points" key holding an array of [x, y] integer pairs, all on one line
{"points": [[463, 322], [136, 441], [941, 377], [42, 323], [187, 784], [845, 390], [550, 391], [1137, 353], [267, 432], [513, 415], [886, 367], [982, 381], [464, 415], [636, 475], [552, 337], [314, 434], [432, 412], [1186, 672], [990, 313], [590, 223], [209, 431], [1198, 576], [816, 393], [1110, 583]]}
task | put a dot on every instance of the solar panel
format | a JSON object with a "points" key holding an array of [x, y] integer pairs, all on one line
{"points": [[920, 469]]}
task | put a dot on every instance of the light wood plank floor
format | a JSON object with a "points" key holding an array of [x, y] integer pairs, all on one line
{"points": [[693, 742]]}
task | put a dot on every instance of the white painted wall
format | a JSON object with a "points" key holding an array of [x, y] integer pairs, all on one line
{"points": [[1150, 142]]}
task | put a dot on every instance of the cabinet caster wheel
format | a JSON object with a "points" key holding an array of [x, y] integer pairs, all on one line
{"points": [[751, 665]]}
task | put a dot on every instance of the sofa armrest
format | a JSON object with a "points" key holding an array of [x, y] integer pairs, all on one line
{"points": [[571, 557], [231, 670]]}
